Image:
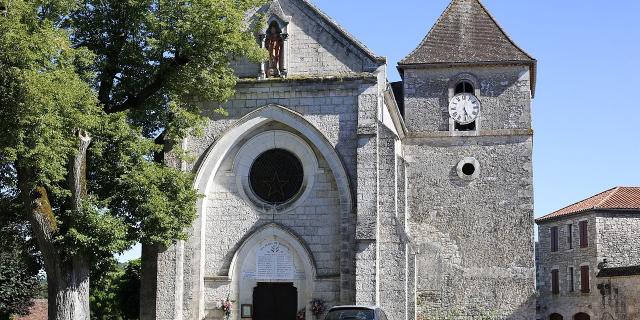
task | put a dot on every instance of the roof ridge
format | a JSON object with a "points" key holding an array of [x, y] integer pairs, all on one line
{"points": [[502, 30], [484, 10], [343, 31], [613, 191], [573, 204], [428, 33]]}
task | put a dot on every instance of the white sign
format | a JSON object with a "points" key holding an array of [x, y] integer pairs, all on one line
{"points": [[274, 262]]}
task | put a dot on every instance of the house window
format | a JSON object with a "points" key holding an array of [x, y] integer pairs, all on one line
{"points": [[584, 235], [554, 239], [584, 279], [571, 282], [570, 235], [465, 87], [555, 281]]}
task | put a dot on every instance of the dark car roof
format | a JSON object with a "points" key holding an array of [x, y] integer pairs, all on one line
{"points": [[354, 307]]}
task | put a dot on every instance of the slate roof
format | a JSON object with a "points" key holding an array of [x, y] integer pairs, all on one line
{"points": [[466, 33], [618, 198], [619, 272]]}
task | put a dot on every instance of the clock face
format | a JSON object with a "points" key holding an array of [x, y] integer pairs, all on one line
{"points": [[464, 108]]}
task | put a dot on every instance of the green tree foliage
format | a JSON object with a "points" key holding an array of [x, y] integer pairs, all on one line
{"points": [[129, 290], [91, 93], [19, 266], [115, 292], [104, 291]]}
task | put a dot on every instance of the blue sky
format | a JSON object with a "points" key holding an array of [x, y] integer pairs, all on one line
{"points": [[586, 114]]}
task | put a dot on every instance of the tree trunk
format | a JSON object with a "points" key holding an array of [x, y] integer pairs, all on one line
{"points": [[69, 298], [67, 277]]}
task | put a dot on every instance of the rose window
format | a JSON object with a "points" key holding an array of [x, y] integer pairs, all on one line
{"points": [[276, 176]]}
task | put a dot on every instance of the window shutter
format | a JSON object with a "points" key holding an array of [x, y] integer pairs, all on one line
{"points": [[555, 285], [584, 279], [570, 235], [554, 239], [584, 235]]}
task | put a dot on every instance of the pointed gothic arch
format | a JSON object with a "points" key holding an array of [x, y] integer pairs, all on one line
{"points": [[282, 233], [216, 154], [244, 273]]}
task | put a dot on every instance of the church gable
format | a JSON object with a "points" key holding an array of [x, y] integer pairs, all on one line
{"points": [[303, 41]]}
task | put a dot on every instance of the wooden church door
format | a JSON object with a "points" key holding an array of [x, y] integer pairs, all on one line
{"points": [[275, 301]]}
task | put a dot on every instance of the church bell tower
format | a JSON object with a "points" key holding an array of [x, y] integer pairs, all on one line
{"points": [[467, 92]]}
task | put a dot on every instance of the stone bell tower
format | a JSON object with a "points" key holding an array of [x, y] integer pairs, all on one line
{"points": [[467, 92]]}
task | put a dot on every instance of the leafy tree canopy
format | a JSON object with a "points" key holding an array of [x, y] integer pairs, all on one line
{"points": [[19, 266], [122, 73]]}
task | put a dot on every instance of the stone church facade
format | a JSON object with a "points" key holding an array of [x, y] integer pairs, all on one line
{"points": [[325, 181]]}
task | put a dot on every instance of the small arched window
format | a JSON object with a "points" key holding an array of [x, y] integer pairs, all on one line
{"points": [[464, 87], [581, 316], [556, 316]]}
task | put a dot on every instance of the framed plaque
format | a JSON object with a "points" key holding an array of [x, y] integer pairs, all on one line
{"points": [[246, 311]]}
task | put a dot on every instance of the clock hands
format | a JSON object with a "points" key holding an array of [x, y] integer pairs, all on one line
{"points": [[468, 106]]}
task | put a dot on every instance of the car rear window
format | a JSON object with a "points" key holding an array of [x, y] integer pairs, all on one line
{"points": [[350, 314]]}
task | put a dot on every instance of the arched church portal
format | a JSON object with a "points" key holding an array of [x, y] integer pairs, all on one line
{"points": [[249, 265], [273, 272]]}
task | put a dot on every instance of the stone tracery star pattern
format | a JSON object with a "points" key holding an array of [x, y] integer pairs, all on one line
{"points": [[275, 185], [276, 176]]}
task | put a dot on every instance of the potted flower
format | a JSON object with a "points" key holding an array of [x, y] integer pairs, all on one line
{"points": [[317, 307], [302, 314], [225, 306]]}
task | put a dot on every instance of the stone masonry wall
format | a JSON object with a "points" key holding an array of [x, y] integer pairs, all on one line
{"points": [[392, 250], [619, 238], [620, 298], [472, 237], [505, 97], [366, 258], [314, 47]]}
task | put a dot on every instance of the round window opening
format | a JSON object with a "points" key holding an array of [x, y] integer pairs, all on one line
{"points": [[468, 169], [276, 176]]}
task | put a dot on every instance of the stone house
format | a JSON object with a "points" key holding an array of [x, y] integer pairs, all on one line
{"points": [[590, 258], [325, 181]]}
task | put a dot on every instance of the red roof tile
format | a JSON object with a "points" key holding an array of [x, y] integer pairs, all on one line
{"points": [[616, 198]]}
